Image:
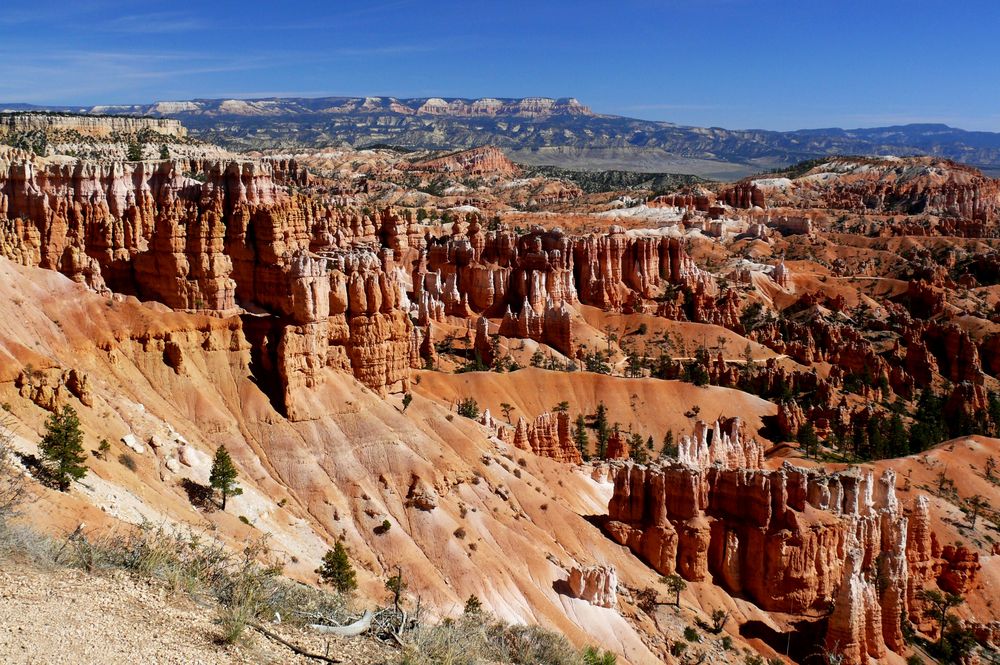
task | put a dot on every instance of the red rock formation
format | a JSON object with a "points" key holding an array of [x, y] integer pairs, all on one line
{"points": [[613, 269], [598, 585], [553, 326], [920, 561], [700, 200], [726, 443], [911, 185], [548, 435], [957, 569], [790, 418], [782, 276], [855, 627], [237, 238], [956, 353], [793, 540], [50, 388], [617, 446], [486, 160], [483, 345]]}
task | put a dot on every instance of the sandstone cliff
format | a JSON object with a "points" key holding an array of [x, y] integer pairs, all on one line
{"points": [[793, 540]]}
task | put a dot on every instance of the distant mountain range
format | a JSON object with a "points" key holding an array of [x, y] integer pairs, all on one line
{"points": [[541, 131]]}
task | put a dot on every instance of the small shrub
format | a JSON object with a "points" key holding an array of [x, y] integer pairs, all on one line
{"points": [[719, 619], [727, 643], [478, 637], [233, 619], [243, 518], [678, 648], [473, 605], [691, 634], [12, 489], [337, 570], [460, 533], [646, 600], [128, 462], [383, 527], [592, 656], [468, 408]]}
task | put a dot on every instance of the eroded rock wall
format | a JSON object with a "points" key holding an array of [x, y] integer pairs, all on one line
{"points": [[793, 540]]}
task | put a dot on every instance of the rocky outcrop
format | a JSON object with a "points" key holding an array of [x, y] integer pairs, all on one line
{"points": [[617, 447], [552, 326], [920, 560], [614, 270], [548, 435], [486, 160], [725, 442], [910, 185], [854, 630], [782, 276], [102, 126], [321, 297], [793, 540], [598, 585], [957, 569], [790, 418], [51, 388], [421, 496]]}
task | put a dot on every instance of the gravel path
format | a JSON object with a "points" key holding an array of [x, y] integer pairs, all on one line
{"points": [[68, 616]]}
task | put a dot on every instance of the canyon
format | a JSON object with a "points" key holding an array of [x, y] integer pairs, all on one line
{"points": [[700, 384]]}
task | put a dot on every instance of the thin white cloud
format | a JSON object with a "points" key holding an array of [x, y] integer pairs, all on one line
{"points": [[670, 107], [153, 23], [65, 76]]}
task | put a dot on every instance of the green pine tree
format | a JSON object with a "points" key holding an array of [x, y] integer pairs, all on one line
{"points": [[808, 439], [62, 448], [580, 438], [603, 429], [637, 450], [669, 447], [676, 584], [134, 152], [337, 569], [898, 437], [224, 475], [473, 606]]}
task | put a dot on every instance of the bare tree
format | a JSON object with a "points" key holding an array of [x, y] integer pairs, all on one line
{"points": [[976, 504]]}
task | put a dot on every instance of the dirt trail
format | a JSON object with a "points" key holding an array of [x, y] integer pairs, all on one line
{"points": [[68, 616]]}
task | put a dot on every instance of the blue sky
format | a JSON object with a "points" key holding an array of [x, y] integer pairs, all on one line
{"points": [[730, 63]]}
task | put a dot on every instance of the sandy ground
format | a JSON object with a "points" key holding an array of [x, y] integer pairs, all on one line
{"points": [[68, 616]]}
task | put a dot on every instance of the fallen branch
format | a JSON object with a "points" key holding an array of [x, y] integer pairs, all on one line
{"points": [[70, 538], [299, 650], [398, 633], [350, 630]]}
